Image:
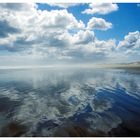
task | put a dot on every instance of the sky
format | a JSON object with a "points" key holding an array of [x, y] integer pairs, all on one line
{"points": [[69, 33]]}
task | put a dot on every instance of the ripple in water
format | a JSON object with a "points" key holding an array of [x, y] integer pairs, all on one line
{"points": [[85, 102]]}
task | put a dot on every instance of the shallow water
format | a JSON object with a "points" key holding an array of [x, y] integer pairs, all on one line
{"points": [[70, 102]]}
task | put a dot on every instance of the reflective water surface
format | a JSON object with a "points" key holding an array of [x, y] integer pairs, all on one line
{"points": [[70, 102]]}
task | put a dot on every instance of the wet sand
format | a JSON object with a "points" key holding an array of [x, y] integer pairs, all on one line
{"points": [[13, 129]]}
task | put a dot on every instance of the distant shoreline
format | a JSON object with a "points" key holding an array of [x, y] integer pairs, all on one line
{"points": [[101, 66]]}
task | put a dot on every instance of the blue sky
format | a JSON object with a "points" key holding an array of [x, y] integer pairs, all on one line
{"points": [[128, 12], [41, 34]]}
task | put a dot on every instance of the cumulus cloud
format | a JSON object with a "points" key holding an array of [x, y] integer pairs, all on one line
{"points": [[6, 29], [99, 24], [94, 51], [131, 41], [36, 29], [128, 49], [59, 19], [18, 6], [101, 8], [55, 35], [84, 37], [50, 39], [108, 45], [63, 5]]}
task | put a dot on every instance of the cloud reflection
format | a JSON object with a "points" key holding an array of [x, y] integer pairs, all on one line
{"points": [[52, 99]]}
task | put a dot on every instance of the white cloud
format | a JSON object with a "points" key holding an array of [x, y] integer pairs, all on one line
{"points": [[36, 29], [108, 45], [99, 24], [101, 8], [63, 5], [18, 6], [131, 41], [59, 19], [129, 48], [51, 40], [28, 33], [83, 37]]}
